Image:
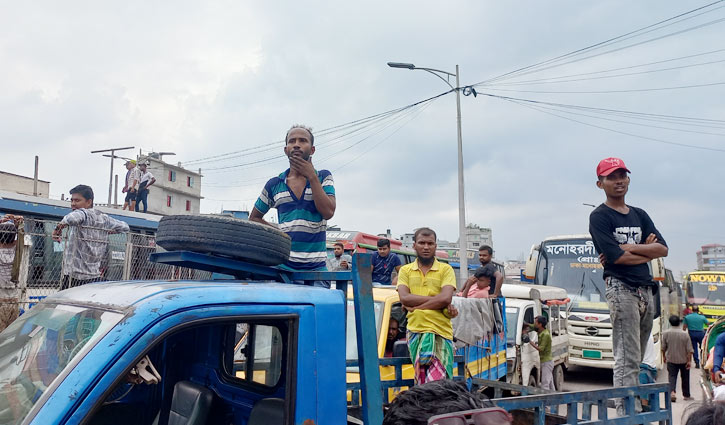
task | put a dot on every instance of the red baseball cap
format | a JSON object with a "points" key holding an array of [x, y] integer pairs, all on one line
{"points": [[608, 165]]}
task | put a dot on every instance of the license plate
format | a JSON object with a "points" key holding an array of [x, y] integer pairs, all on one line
{"points": [[592, 354]]}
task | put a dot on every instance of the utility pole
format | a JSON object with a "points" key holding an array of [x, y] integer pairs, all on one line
{"points": [[35, 177], [462, 235], [110, 180]]}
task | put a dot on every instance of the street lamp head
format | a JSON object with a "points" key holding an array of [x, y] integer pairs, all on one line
{"points": [[401, 65]]}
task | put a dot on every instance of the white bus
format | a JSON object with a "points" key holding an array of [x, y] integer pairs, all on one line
{"points": [[571, 262]]}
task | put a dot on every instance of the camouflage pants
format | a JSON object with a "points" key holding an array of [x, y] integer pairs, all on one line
{"points": [[8, 312]]}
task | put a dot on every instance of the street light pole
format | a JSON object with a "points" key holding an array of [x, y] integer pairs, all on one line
{"points": [[462, 236]]}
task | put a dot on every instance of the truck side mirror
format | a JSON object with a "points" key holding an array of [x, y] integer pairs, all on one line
{"points": [[530, 269], [400, 349]]}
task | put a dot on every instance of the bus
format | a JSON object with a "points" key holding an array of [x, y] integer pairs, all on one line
{"points": [[706, 289], [571, 262]]}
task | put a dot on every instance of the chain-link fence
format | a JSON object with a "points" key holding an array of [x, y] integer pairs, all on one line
{"points": [[41, 269]]}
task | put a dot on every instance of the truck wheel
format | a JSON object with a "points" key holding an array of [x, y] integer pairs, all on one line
{"points": [[226, 236], [559, 377]]}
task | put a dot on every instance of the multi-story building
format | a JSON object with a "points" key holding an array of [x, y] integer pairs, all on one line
{"points": [[711, 257], [23, 185], [176, 191]]}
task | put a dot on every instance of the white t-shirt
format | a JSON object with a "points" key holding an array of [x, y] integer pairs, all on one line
{"points": [[649, 353], [146, 177]]}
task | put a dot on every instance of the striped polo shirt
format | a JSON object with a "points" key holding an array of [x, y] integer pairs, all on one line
{"points": [[300, 219]]}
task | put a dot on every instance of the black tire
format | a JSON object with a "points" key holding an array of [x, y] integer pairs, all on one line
{"points": [[559, 377], [226, 236]]}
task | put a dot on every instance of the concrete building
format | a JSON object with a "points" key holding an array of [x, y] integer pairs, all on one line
{"points": [[23, 185], [711, 257], [176, 191], [477, 236]]}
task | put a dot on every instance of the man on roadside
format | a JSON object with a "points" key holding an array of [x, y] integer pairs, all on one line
{"points": [[340, 261], [677, 354], [9, 255], [485, 255], [305, 200], [695, 324], [133, 176], [426, 289], [385, 263], [147, 179], [627, 240], [544, 349], [87, 238]]}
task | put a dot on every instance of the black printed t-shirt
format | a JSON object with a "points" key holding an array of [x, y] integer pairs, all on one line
{"points": [[610, 228]]}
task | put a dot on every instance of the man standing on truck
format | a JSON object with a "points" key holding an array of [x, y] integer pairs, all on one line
{"points": [[385, 263], [544, 349], [627, 240], [426, 288], [695, 324], [305, 200], [87, 238], [133, 176], [485, 254]]}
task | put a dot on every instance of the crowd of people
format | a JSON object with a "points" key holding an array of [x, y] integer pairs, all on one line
{"points": [[625, 236]]}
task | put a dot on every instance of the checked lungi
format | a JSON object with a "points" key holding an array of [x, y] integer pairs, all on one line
{"points": [[432, 356]]}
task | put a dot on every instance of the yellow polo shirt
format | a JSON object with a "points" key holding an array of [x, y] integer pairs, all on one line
{"points": [[430, 284]]}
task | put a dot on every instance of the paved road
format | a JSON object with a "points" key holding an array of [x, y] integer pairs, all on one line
{"points": [[584, 378]]}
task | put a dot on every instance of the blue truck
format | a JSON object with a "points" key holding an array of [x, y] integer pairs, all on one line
{"points": [[260, 349]]}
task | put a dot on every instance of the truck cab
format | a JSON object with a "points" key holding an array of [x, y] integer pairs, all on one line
{"points": [[143, 352], [523, 303]]}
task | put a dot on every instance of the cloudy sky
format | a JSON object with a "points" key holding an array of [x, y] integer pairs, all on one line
{"points": [[226, 79]]}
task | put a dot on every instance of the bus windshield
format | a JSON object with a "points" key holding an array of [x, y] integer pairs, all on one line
{"points": [[706, 289], [574, 265]]}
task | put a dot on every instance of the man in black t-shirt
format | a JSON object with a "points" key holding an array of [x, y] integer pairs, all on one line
{"points": [[627, 240]]}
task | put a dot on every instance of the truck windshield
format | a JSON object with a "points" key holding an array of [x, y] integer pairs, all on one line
{"points": [[351, 335], [573, 265], [706, 289], [39, 346], [512, 320]]}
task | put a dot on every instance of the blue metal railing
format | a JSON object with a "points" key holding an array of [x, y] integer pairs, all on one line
{"points": [[583, 402]]}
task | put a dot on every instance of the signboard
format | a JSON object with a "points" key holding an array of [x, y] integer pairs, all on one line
{"points": [[707, 278]]}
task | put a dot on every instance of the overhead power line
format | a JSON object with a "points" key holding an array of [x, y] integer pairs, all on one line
{"points": [[361, 122], [541, 66], [608, 91], [654, 139]]}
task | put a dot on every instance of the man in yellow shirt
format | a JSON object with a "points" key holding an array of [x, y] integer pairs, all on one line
{"points": [[426, 288]]}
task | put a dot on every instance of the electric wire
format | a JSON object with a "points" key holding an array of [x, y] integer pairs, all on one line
{"points": [[651, 71], [650, 89], [654, 139], [377, 127], [537, 67], [320, 133], [582, 74]]}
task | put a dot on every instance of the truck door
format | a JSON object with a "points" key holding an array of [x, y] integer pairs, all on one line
{"points": [[239, 363]]}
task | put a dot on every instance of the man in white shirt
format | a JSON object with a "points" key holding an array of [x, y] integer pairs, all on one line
{"points": [[147, 179], [133, 177]]}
